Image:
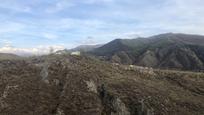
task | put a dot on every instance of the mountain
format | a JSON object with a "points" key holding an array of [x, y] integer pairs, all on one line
{"points": [[86, 48], [82, 85], [7, 56], [178, 51]]}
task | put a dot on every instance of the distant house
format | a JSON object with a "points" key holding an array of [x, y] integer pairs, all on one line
{"points": [[131, 66], [77, 53]]}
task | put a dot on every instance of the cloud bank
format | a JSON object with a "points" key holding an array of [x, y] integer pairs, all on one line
{"points": [[40, 50]]}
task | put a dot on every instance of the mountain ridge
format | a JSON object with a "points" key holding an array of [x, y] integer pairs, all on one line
{"points": [[86, 48], [180, 51]]}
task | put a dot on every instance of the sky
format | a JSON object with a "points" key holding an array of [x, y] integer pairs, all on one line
{"points": [[33, 26]]}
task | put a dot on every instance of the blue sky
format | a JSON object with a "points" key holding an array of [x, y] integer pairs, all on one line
{"points": [[28, 24]]}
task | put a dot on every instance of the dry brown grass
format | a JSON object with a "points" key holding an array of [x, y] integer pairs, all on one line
{"points": [[65, 90]]}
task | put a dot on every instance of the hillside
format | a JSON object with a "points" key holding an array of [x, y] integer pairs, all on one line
{"points": [[85, 48], [7, 56], [177, 51], [82, 85]]}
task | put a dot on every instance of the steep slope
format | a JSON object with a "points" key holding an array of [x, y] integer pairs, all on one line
{"points": [[81, 85], [179, 51]]}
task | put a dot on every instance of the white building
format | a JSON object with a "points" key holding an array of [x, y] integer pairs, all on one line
{"points": [[77, 53]]}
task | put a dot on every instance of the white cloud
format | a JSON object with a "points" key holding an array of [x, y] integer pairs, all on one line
{"points": [[5, 42], [66, 4], [40, 50], [71, 23], [50, 36], [59, 6]]}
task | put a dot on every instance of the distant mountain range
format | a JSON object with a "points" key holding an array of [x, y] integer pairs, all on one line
{"points": [[167, 51], [179, 51]]}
